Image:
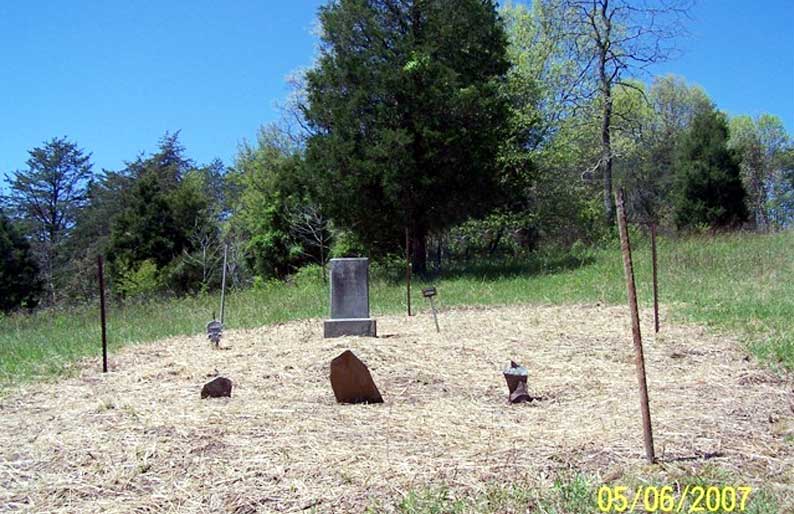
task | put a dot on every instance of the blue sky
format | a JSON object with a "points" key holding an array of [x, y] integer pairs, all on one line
{"points": [[115, 76]]}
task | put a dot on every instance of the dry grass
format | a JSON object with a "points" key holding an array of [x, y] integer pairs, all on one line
{"points": [[140, 439]]}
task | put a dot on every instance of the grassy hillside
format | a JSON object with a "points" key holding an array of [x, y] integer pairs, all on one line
{"points": [[740, 282]]}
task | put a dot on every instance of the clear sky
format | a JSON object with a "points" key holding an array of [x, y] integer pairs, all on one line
{"points": [[114, 76]]}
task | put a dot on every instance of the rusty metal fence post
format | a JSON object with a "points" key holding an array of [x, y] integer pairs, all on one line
{"points": [[223, 283], [102, 316], [628, 268], [655, 280], [408, 269]]}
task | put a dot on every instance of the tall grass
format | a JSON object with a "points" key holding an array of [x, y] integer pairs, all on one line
{"points": [[738, 282]]}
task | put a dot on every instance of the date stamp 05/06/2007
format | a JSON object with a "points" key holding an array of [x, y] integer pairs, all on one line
{"points": [[690, 499]]}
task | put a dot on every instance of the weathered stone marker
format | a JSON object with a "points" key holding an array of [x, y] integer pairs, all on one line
{"points": [[516, 378], [215, 331], [351, 381], [349, 299]]}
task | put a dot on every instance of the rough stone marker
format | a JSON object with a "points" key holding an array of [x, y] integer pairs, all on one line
{"points": [[349, 299], [351, 380], [217, 388], [516, 377]]}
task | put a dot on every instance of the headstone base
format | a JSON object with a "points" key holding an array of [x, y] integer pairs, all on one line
{"points": [[349, 327]]}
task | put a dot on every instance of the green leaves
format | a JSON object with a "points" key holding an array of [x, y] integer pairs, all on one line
{"points": [[406, 115], [708, 183], [167, 211], [19, 281]]}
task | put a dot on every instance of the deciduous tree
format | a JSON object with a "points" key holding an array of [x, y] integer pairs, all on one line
{"points": [[613, 40], [761, 144]]}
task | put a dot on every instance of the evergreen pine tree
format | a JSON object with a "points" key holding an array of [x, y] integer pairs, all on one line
{"points": [[708, 184], [19, 283]]}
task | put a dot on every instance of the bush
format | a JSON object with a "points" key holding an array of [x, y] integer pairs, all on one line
{"points": [[311, 274], [142, 280], [346, 244], [390, 268]]}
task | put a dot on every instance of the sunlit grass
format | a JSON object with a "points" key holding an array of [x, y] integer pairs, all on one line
{"points": [[576, 493]]}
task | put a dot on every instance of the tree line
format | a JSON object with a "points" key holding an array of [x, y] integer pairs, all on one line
{"points": [[444, 129]]}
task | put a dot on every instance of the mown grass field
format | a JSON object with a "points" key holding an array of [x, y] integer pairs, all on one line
{"points": [[738, 283], [743, 283]]}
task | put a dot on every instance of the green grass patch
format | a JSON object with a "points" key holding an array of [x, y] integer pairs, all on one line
{"points": [[576, 493], [743, 283]]}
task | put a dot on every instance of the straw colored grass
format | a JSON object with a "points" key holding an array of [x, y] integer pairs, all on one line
{"points": [[141, 439]]}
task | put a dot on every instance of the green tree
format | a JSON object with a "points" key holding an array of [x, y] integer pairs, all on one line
{"points": [[612, 40], [19, 277], [649, 125], [553, 124], [271, 190], [674, 104], [91, 234], [709, 188], [761, 144], [406, 116], [168, 202], [47, 197]]}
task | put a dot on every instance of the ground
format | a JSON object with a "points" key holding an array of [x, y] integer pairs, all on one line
{"points": [[141, 439]]}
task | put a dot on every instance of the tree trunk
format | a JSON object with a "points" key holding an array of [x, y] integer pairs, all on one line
{"points": [[604, 42], [606, 153], [418, 238]]}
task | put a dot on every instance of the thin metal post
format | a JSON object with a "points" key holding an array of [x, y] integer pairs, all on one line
{"points": [[625, 246], [223, 282], [102, 315], [435, 318], [408, 269], [655, 280]]}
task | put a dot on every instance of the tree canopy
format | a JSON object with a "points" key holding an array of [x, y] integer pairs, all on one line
{"points": [[19, 279], [457, 128], [47, 197], [406, 116], [709, 188]]}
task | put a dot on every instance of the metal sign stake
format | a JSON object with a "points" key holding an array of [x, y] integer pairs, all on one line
{"points": [[223, 281], [429, 293]]}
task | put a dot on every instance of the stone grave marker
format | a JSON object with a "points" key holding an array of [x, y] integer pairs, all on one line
{"points": [[217, 388], [516, 377], [215, 331], [349, 299], [351, 380]]}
